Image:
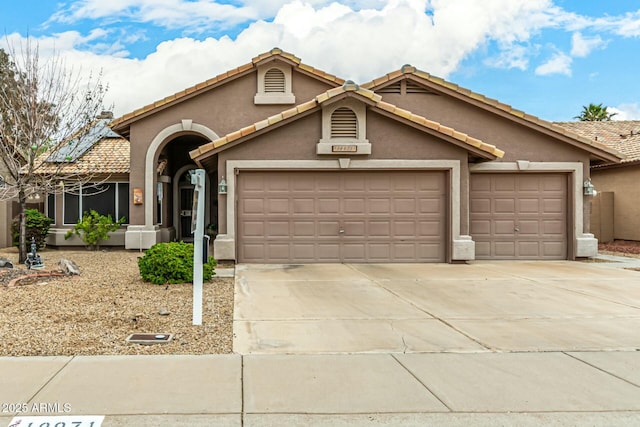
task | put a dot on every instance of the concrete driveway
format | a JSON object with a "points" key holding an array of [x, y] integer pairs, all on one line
{"points": [[414, 308]]}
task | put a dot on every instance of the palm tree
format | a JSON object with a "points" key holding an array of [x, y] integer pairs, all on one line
{"points": [[594, 113]]}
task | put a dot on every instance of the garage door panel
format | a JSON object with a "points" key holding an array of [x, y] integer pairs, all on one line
{"points": [[303, 206], [254, 228], [379, 252], [380, 228], [253, 206], [432, 229], [380, 206], [406, 229], [504, 205], [405, 206], [554, 228], [254, 251], [328, 206], [429, 252], [505, 249], [385, 216], [554, 250], [483, 249], [304, 228], [528, 206], [431, 205], [354, 229], [529, 249], [480, 205], [507, 184], [328, 228], [504, 227], [277, 229], [328, 252], [553, 206], [355, 206], [536, 226], [354, 252], [481, 228]]}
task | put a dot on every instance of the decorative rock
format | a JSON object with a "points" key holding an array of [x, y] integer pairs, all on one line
{"points": [[163, 312], [68, 267], [5, 263]]}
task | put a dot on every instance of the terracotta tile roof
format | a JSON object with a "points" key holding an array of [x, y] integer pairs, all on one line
{"points": [[602, 149], [120, 123], [374, 99], [107, 156], [622, 136]]}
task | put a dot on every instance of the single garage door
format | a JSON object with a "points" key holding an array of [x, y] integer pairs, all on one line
{"points": [[519, 216], [337, 216]]}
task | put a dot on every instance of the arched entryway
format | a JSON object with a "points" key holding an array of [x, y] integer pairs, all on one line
{"points": [[174, 209], [167, 187]]}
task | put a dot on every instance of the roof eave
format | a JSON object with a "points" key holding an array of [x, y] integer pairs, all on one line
{"points": [[476, 151]]}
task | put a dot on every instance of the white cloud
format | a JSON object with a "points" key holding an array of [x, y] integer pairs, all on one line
{"points": [[582, 46], [354, 39], [197, 15], [626, 112], [515, 56], [560, 63]]}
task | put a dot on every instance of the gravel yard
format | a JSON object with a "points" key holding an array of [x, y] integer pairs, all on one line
{"points": [[93, 314]]}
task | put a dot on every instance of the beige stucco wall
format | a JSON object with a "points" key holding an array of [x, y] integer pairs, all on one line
{"points": [[519, 142], [223, 110], [623, 182], [390, 140]]}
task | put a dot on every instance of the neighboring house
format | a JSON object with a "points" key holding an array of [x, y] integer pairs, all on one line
{"points": [[617, 207], [406, 168], [96, 171]]}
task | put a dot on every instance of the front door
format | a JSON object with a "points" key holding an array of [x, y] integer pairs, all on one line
{"points": [[186, 203]]}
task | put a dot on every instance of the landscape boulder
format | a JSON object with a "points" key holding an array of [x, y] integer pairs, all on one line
{"points": [[5, 263], [68, 267]]}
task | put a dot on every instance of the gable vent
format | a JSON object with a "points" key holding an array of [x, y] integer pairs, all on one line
{"points": [[392, 88], [274, 81], [344, 123], [416, 88]]}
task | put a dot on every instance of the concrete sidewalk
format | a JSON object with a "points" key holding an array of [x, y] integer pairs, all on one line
{"points": [[480, 389], [510, 344]]}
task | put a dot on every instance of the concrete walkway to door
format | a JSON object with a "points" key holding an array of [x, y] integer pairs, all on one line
{"points": [[422, 308]]}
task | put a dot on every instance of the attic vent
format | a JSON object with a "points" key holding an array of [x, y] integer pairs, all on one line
{"points": [[416, 88], [392, 88], [344, 123], [274, 81]]}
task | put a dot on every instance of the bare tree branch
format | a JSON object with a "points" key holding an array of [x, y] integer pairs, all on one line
{"points": [[46, 111]]}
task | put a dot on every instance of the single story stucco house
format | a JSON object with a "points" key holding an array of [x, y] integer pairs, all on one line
{"points": [[303, 166]]}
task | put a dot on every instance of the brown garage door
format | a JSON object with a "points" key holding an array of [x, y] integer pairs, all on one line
{"points": [[519, 216], [314, 217]]}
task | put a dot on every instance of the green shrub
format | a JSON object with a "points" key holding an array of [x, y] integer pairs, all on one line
{"points": [[94, 228], [171, 263], [37, 224]]}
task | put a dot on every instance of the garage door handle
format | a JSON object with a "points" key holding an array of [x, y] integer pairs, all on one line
{"points": [[341, 231], [516, 229]]}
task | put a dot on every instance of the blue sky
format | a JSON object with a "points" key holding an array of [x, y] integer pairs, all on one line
{"points": [[546, 57]]}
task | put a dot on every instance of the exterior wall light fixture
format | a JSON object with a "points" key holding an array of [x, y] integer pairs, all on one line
{"points": [[589, 189], [222, 186]]}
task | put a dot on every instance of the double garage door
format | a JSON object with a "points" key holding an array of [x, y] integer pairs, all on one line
{"points": [[337, 216], [392, 216], [519, 216]]}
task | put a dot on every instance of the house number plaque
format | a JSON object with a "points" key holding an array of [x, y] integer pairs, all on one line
{"points": [[344, 148]]}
